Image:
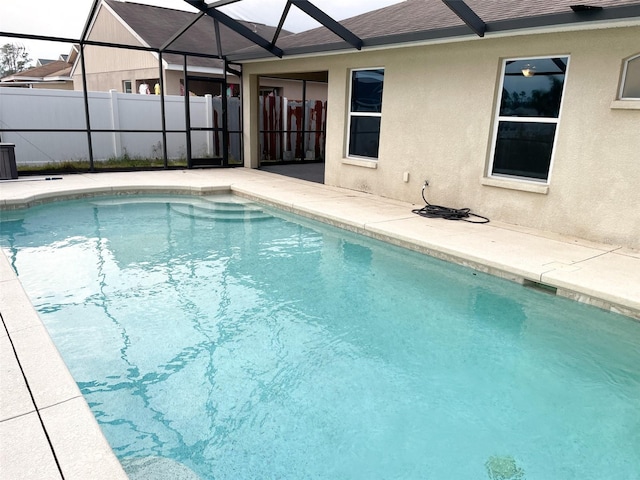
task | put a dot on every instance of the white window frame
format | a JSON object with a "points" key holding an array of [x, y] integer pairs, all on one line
{"points": [[623, 80], [124, 86], [360, 114], [499, 118]]}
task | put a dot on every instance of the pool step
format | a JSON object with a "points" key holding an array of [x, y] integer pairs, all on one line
{"points": [[211, 208], [222, 212]]}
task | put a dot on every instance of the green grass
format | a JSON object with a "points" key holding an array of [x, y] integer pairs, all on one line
{"points": [[80, 166]]}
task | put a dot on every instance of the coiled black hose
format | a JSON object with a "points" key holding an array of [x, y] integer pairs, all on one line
{"points": [[436, 211]]}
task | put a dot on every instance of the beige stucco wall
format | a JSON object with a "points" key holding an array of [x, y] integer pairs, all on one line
{"points": [[107, 67], [103, 82], [54, 86], [437, 121]]}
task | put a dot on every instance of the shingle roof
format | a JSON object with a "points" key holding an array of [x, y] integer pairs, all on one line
{"points": [[55, 68], [415, 20], [156, 25]]}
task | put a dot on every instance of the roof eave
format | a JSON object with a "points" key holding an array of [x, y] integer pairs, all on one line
{"points": [[610, 14], [173, 67], [18, 78], [609, 17], [373, 42]]}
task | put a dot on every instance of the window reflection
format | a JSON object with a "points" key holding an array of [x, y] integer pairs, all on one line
{"points": [[524, 149], [535, 96], [529, 109], [631, 86], [365, 112], [364, 136], [366, 91]]}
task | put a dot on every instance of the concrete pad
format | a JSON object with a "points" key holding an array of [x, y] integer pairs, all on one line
{"points": [[628, 252], [357, 210], [34, 190], [81, 449], [524, 255], [556, 236], [17, 311], [352, 211], [282, 193], [613, 278], [526, 249], [25, 453], [45, 371], [15, 399], [6, 271]]}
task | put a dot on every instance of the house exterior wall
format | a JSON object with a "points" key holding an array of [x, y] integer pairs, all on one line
{"points": [[438, 112], [107, 68], [106, 81], [54, 86], [172, 82]]}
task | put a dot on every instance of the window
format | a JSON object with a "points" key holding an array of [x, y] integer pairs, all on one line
{"points": [[630, 89], [527, 117], [365, 112], [126, 86]]}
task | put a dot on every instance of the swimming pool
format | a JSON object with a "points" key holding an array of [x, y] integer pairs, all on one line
{"points": [[239, 342]]}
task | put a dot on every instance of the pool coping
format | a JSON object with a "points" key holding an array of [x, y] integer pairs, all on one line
{"points": [[45, 419]]}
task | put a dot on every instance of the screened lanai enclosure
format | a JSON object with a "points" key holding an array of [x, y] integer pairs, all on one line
{"points": [[148, 86], [160, 84]]}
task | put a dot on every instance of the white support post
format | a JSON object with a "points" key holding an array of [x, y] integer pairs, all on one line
{"points": [[208, 122], [115, 124], [286, 136]]}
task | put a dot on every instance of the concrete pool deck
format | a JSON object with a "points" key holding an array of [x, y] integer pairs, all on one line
{"points": [[46, 428]]}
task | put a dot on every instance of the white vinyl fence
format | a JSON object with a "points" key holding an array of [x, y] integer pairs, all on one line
{"points": [[22, 108]]}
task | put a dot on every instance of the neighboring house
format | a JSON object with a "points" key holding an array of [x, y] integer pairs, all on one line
{"points": [[525, 111], [130, 71], [51, 74], [43, 61]]}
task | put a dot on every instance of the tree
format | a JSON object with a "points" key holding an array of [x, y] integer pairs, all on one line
{"points": [[13, 59]]}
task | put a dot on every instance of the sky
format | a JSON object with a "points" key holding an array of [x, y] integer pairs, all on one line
{"points": [[66, 18]]}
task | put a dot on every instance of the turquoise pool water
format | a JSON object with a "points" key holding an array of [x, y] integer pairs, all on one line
{"points": [[216, 339]]}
